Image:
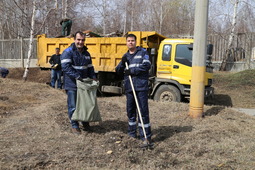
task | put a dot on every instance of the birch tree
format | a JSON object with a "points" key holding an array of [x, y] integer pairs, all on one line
{"points": [[233, 26], [160, 11], [30, 41], [229, 57], [102, 7], [246, 17], [125, 19], [132, 16], [64, 9]]}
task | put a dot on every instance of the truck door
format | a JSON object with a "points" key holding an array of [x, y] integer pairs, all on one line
{"points": [[182, 63], [164, 64]]}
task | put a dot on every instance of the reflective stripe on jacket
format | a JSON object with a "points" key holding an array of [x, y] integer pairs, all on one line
{"points": [[74, 65], [139, 65]]}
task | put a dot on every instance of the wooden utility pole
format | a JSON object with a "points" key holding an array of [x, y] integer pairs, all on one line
{"points": [[198, 61]]}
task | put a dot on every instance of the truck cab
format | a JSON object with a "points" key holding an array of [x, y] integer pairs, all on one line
{"points": [[173, 73]]}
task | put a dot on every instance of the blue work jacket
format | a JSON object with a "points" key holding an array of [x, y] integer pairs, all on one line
{"points": [[139, 66], [75, 65]]}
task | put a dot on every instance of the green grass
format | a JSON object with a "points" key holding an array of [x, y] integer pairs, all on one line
{"points": [[236, 80]]}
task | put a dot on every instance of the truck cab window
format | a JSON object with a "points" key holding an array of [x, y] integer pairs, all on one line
{"points": [[166, 52], [183, 54]]}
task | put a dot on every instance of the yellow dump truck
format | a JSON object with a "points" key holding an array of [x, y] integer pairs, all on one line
{"points": [[170, 74]]}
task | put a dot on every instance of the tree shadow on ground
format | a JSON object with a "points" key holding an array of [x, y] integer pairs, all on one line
{"points": [[213, 111], [219, 99], [164, 132]]}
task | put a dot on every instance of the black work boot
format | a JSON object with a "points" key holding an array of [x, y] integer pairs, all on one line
{"points": [[86, 126]]}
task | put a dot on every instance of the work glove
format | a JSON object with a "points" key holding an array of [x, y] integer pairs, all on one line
{"points": [[124, 60], [127, 72]]}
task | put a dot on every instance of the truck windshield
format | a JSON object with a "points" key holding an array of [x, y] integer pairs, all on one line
{"points": [[183, 54]]}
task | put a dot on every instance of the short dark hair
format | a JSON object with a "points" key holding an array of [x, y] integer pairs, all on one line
{"points": [[57, 49], [131, 35], [78, 32]]}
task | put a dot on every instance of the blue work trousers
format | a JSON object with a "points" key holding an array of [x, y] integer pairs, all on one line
{"points": [[71, 104], [56, 76], [132, 113]]}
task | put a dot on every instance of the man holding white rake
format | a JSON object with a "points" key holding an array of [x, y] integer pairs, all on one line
{"points": [[135, 65]]}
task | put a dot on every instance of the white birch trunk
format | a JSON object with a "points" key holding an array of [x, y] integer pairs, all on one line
{"points": [[46, 28], [132, 16], [227, 56], [65, 14], [104, 17], [56, 4], [125, 19], [56, 13], [233, 25], [30, 42], [161, 17], [63, 7]]}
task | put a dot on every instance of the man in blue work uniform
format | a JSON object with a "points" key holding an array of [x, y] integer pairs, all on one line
{"points": [[76, 65], [139, 65]]}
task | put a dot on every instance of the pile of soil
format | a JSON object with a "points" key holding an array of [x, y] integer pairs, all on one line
{"points": [[35, 134], [34, 74]]}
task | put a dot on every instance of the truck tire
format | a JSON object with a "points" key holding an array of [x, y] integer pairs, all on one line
{"points": [[167, 93]]}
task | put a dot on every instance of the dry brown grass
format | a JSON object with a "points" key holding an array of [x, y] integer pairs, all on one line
{"points": [[35, 134]]}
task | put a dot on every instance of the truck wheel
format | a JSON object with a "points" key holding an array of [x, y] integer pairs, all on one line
{"points": [[167, 93]]}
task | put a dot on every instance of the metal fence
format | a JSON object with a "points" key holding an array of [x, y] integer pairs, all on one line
{"points": [[16, 49]]}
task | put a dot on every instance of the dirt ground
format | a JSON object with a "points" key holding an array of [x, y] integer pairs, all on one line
{"points": [[35, 132]]}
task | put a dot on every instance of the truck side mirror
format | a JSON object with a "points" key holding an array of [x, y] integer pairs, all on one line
{"points": [[209, 49]]}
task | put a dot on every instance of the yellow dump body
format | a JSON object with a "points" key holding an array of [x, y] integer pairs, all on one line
{"points": [[106, 52]]}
